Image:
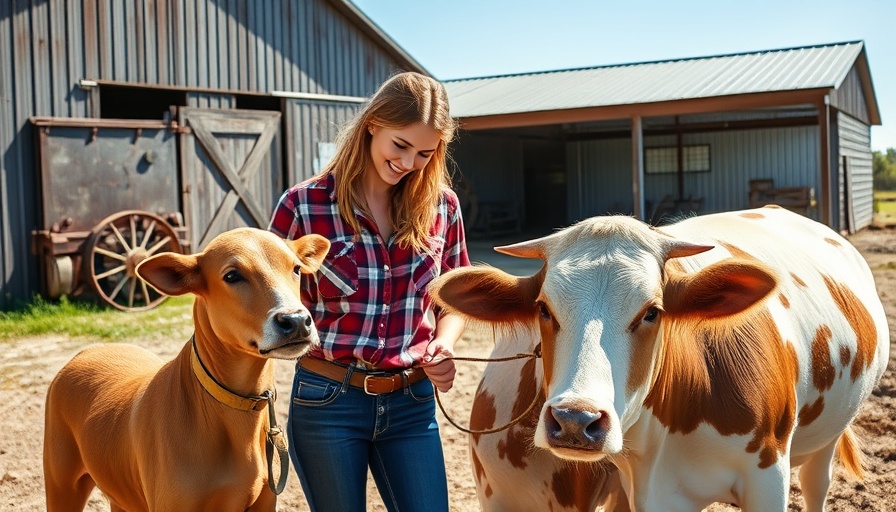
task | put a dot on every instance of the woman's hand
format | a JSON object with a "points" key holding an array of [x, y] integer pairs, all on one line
{"points": [[438, 365]]}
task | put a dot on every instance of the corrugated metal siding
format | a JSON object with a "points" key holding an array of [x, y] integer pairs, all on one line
{"points": [[850, 98], [9, 231], [305, 46], [599, 173], [855, 146], [777, 70], [18, 176], [732, 116], [311, 123], [210, 100], [47, 46], [492, 165], [789, 155]]}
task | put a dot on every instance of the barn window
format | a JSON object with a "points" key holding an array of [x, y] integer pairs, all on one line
{"points": [[665, 160]]}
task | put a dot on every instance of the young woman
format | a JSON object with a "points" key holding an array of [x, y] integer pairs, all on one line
{"points": [[365, 398]]}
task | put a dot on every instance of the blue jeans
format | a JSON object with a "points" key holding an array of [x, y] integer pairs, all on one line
{"points": [[336, 431]]}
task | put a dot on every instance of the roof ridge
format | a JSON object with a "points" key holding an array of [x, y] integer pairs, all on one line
{"points": [[661, 61]]}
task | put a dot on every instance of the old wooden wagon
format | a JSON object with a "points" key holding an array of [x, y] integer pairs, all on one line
{"points": [[116, 191], [109, 196]]}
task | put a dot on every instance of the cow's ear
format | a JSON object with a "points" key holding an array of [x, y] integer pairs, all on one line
{"points": [[724, 288], [172, 273], [487, 294]]}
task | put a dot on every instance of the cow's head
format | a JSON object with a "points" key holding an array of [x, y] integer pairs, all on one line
{"points": [[600, 304]]}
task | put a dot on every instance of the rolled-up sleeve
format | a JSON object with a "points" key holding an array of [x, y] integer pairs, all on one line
{"points": [[455, 254]]}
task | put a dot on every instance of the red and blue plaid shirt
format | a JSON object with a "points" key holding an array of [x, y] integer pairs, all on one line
{"points": [[369, 298]]}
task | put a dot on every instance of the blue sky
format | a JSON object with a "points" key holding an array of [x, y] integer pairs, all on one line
{"points": [[469, 38]]}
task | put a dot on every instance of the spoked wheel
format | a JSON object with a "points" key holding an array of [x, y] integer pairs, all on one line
{"points": [[116, 246]]}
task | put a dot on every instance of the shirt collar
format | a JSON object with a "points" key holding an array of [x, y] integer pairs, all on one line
{"points": [[330, 185]]}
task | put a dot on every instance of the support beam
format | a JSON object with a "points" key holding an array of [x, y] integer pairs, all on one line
{"points": [[679, 164], [824, 162], [638, 168]]}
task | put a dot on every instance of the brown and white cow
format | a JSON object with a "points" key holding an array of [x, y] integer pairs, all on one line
{"points": [[703, 359]]}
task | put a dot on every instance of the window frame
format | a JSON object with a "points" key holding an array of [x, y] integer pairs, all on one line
{"points": [[668, 163]]}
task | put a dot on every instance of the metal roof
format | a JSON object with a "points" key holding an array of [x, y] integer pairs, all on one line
{"points": [[812, 67]]}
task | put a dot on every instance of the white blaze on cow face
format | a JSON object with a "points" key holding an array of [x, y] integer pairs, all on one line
{"points": [[599, 311]]}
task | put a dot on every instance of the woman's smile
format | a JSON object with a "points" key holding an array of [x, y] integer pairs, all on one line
{"points": [[397, 152]]}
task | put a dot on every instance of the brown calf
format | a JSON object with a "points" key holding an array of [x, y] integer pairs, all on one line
{"points": [[188, 434]]}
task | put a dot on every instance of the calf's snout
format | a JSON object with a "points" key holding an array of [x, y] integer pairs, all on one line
{"points": [[294, 324]]}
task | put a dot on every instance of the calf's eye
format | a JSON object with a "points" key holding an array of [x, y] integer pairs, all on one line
{"points": [[652, 314], [233, 277]]}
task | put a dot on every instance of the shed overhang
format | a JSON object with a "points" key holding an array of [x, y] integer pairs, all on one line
{"points": [[647, 110]]}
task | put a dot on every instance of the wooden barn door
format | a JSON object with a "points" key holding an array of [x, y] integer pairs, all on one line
{"points": [[232, 170]]}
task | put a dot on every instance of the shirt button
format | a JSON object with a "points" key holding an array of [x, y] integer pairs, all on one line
{"points": [[386, 268]]}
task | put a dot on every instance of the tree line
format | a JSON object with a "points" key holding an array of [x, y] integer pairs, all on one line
{"points": [[885, 169]]}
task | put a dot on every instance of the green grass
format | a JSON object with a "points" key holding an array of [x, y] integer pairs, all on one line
{"points": [[75, 318], [885, 204]]}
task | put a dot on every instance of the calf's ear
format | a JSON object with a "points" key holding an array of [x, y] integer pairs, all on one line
{"points": [[724, 288], [311, 250], [487, 294], [171, 273]]}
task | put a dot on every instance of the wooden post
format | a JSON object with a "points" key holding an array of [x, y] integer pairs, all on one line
{"points": [[638, 168], [824, 161], [679, 143]]}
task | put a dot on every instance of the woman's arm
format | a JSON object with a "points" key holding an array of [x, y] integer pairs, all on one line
{"points": [[436, 364]]}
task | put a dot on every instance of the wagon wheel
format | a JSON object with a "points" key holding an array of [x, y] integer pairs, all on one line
{"points": [[115, 247]]}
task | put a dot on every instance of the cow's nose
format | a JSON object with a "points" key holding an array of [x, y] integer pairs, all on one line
{"points": [[576, 428], [295, 324]]}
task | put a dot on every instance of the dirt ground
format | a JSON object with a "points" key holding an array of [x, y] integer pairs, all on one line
{"points": [[29, 364]]}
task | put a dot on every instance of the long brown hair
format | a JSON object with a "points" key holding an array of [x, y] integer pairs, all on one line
{"points": [[403, 99]]}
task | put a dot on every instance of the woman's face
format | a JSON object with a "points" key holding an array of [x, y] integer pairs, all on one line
{"points": [[395, 153]]}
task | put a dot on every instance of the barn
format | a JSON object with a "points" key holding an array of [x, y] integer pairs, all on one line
{"points": [[202, 111], [659, 139]]}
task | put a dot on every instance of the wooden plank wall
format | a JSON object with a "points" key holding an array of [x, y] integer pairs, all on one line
{"points": [[229, 46]]}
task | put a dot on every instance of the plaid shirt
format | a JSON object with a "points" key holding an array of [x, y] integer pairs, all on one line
{"points": [[369, 299]]}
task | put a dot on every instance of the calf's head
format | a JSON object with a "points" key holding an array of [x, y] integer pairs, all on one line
{"points": [[600, 304], [247, 289]]}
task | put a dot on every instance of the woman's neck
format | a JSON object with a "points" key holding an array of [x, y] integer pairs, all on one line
{"points": [[379, 204]]}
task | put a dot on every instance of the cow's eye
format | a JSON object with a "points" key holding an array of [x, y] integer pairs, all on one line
{"points": [[544, 311], [652, 314], [233, 277]]}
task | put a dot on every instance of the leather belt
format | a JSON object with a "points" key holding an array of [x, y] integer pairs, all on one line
{"points": [[371, 383]]}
